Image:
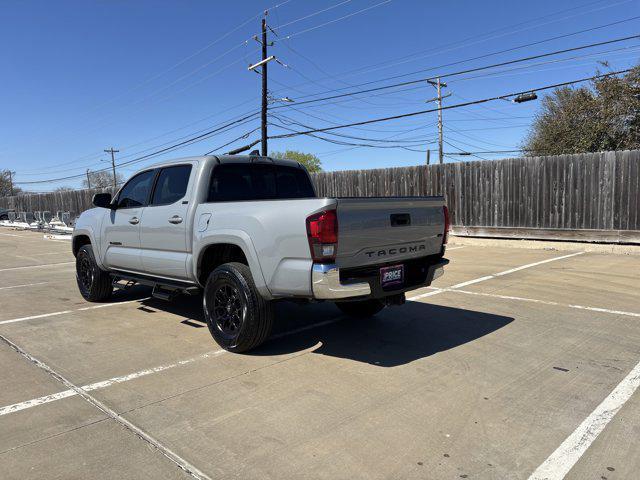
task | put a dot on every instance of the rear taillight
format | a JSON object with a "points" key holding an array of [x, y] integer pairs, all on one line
{"points": [[322, 230], [447, 225]]}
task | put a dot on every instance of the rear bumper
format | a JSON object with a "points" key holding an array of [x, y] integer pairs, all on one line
{"points": [[326, 285], [329, 283]]}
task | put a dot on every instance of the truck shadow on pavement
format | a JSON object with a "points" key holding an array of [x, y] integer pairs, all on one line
{"points": [[396, 336]]}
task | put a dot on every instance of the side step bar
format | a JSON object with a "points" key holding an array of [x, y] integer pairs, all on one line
{"points": [[163, 289]]}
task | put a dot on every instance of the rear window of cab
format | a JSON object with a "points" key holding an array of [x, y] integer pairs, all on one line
{"points": [[258, 181]]}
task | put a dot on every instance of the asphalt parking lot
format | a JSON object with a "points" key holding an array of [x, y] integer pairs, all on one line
{"points": [[519, 364]]}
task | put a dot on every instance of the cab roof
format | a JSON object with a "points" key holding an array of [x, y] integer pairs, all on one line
{"points": [[222, 159]]}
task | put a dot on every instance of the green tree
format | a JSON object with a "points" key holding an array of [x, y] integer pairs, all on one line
{"points": [[309, 160], [604, 115]]}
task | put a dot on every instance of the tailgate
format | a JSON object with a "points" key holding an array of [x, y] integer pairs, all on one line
{"points": [[381, 230]]}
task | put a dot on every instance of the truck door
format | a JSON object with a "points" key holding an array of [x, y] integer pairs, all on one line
{"points": [[122, 225], [163, 226]]}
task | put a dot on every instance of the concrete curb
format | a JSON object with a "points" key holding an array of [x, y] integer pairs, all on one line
{"points": [[546, 245]]}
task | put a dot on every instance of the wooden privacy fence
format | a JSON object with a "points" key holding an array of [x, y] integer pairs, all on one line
{"points": [[74, 201], [591, 196]]}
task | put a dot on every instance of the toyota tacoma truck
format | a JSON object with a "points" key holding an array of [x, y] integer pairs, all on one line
{"points": [[249, 230]]}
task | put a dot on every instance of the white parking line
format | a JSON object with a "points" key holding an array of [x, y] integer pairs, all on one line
{"points": [[454, 248], [167, 452], [23, 285], [16, 407], [53, 314], [562, 460], [506, 272], [61, 252], [34, 402], [489, 277], [36, 266], [544, 302]]}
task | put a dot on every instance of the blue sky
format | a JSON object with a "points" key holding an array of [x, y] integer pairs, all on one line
{"points": [[81, 76]]}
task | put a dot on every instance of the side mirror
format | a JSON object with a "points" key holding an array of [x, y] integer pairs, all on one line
{"points": [[102, 200]]}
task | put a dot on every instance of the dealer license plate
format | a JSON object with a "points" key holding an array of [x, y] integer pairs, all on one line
{"points": [[392, 276]]}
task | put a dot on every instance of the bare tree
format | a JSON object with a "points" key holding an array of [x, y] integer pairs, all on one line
{"points": [[5, 184], [102, 179]]}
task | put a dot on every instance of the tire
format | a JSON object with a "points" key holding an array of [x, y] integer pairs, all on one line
{"points": [[239, 319], [95, 284], [361, 308]]}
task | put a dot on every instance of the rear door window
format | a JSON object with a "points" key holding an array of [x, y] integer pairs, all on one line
{"points": [[246, 181], [171, 185], [136, 191]]}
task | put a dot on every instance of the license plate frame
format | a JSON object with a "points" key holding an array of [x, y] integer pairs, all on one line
{"points": [[392, 276]]}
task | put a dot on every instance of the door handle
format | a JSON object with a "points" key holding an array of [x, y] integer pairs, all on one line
{"points": [[175, 219], [134, 220]]}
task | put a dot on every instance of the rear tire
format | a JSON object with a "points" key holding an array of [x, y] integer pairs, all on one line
{"points": [[361, 308], [95, 284], [239, 319]]}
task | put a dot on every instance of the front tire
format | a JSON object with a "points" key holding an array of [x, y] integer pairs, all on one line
{"points": [[361, 308], [239, 319], [95, 284]]}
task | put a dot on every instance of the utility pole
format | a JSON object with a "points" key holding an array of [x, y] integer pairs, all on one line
{"points": [[263, 114], [263, 71], [11, 182], [88, 179], [113, 164], [438, 84], [428, 156]]}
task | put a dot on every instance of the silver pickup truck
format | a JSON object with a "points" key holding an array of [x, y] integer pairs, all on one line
{"points": [[249, 230]]}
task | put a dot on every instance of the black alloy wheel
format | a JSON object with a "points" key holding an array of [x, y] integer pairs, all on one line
{"points": [[238, 317], [228, 309]]}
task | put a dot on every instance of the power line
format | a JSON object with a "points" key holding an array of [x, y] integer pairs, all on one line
{"points": [[506, 72], [189, 141], [448, 107], [340, 142], [311, 15], [287, 37], [352, 137], [519, 47], [460, 72], [464, 152], [245, 135], [191, 134], [464, 42]]}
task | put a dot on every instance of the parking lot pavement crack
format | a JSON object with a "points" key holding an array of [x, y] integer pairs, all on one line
{"points": [[162, 449], [49, 437], [217, 382]]}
